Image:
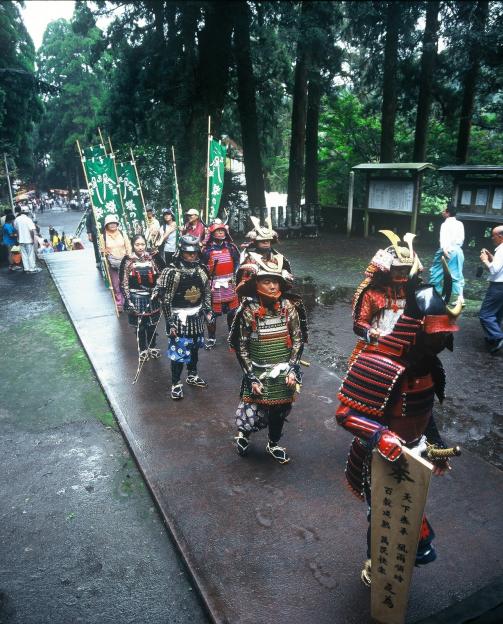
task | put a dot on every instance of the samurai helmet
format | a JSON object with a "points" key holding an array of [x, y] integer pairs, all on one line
{"points": [[218, 224], [395, 256], [258, 267], [262, 232], [189, 243]]}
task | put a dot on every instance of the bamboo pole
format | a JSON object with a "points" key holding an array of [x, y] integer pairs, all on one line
{"points": [[7, 175], [208, 170], [178, 205], [101, 242], [102, 141], [350, 202]]}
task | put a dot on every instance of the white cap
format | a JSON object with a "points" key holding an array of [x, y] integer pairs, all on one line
{"points": [[25, 209], [111, 219], [193, 211]]}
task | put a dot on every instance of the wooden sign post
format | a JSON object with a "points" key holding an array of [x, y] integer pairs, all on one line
{"points": [[399, 491]]}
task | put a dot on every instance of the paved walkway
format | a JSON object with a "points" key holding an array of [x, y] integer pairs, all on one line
{"points": [[265, 542]]}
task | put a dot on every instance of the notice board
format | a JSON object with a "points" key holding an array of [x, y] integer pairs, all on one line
{"points": [[391, 195]]}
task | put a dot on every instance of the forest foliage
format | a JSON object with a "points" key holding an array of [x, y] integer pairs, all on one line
{"points": [[302, 91]]}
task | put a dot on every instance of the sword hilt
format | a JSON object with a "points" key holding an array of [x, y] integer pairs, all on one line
{"points": [[434, 452]]}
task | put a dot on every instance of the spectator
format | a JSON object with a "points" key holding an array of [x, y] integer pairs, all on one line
{"points": [[194, 225], [117, 246], [167, 236], [26, 238], [92, 235], [3, 218], [452, 236], [491, 311], [45, 248], [54, 238], [153, 227], [9, 233]]}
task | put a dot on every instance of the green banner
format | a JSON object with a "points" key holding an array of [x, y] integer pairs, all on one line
{"points": [[129, 186], [216, 168], [94, 151], [104, 190]]}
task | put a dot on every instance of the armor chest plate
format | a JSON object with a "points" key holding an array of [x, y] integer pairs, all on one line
{"points": [[190, 290], [223, 259], [142, 275], [270, 341]]}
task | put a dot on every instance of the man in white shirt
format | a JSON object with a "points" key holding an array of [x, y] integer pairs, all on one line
{"points": [[491, 311], [452, 237], [26, 233]]}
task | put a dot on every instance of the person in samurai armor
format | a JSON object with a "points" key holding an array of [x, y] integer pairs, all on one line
{"points": [[380, 298], [268, 335], [387, 396], [221, 257], [138, 275], [262, 237], [184, 290]]}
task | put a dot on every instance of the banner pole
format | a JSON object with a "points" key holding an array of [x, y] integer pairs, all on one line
{"points": [[102, 141], [101, 242], [139, 186], [178, 205], [208, 170]]}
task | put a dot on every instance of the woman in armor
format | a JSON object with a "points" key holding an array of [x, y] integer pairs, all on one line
{"points": [[138, 275]]}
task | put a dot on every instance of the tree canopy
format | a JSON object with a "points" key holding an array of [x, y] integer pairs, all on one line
{"points": [[303, 91]]}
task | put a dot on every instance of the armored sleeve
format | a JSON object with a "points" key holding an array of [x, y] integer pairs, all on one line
{"points": [[124, 279], [207, 292], [243, 344], [295, 337], [366, 310], [167, 286]]}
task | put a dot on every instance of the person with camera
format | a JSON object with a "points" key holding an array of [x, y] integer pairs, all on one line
{"points": [[491, 311]]}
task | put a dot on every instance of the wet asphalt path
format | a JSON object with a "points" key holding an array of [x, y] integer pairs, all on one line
{"points": [[81, 540]]}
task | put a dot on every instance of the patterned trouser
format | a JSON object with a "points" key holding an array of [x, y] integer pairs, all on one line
{"points": [[251, 417]]}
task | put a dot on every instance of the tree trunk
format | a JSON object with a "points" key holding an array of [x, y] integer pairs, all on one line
{"points": [[389, 92], [248, 108], [428, 61], [478, 22], [210, 93], [299, 106], [312, 120]]}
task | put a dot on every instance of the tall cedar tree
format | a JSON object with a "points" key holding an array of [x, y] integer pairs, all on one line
{"points": [[299, 108], [325, 60], [389, 92], [247, 107], [428, 59], [477, 16], [210, 94]]}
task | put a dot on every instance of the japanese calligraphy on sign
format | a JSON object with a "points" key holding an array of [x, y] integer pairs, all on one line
{"points": [[399, 491], [392, 195], [216, 169], [129, 186], [103, 187]]}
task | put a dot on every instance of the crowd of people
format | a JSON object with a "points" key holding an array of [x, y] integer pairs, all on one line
{"points": [[23, 242], [387, 397], [191, 275]]}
